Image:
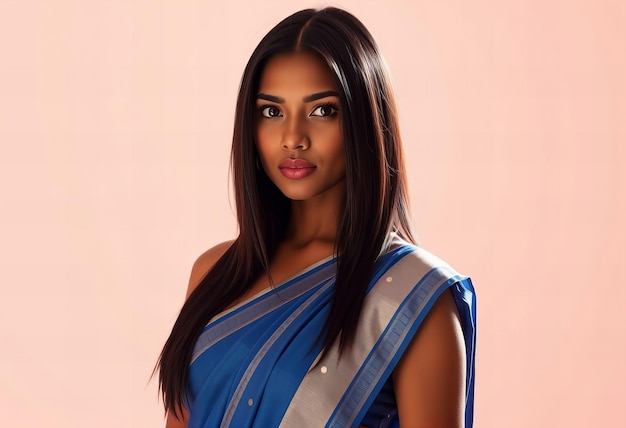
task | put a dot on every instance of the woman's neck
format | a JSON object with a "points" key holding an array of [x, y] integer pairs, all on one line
{"points": [[315, 220]]}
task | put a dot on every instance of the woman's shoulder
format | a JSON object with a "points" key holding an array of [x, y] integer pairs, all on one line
{"points": [[204, 263], [414, 260], [401, 247]]}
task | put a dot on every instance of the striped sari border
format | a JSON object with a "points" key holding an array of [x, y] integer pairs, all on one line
{"points": [[394, 337], [256, 309], [243, 383]]}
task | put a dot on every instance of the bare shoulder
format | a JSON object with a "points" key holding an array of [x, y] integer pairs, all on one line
{"points": [[204, 263], [436, 356]]}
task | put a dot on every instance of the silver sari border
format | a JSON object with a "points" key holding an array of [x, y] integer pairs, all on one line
{"points": [[335, 390]]}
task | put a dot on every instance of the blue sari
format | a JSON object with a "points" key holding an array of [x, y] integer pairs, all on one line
{"points": [[256, 365]]}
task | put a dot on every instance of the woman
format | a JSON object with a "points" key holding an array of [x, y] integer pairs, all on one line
{"points": [[322, 312]]}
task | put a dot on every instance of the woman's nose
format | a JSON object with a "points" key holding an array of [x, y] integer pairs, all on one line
{"points": [[295, 136]]}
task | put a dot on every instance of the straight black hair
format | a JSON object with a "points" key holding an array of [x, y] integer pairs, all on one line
{"points": [[376, 193]]}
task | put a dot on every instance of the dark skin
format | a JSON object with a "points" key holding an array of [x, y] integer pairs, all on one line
{"points": [[429, 380]]}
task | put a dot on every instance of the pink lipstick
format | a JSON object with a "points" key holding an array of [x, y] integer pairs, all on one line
{"points": [[296, 168]]}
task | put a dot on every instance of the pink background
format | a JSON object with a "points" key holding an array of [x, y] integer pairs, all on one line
{"points": [[115, 127]]}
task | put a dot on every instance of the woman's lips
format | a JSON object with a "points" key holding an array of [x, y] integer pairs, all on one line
{"points": [[296, 168]]}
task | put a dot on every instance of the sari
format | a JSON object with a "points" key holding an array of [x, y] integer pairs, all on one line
{"points": [[257, 364]]}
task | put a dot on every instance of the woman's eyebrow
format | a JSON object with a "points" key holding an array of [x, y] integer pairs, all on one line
{"points": [[271, 98], [306, 99], [319, 95]]}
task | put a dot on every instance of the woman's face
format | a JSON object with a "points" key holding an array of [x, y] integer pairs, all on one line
{"points": [[298, 127]]}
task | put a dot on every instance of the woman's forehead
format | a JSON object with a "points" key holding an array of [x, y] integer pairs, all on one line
{"points": [[292, 71]]}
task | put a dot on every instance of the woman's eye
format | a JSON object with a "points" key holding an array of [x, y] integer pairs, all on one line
{"points": [[325, 110], [270, 111]]}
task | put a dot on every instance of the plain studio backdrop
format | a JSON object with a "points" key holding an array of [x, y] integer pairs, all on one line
{"points": [[116, 119]]}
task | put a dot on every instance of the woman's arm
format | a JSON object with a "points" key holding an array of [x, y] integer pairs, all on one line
{"points": [[200, 268], [429, 381]]}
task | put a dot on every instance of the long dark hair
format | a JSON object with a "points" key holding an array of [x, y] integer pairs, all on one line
{"points": [[376, 194]]}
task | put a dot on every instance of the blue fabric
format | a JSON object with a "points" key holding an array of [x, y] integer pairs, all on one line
{"points": [[383, 410], [216, 373], [248, 363]]}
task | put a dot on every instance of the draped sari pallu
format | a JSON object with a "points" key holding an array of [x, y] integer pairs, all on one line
{"points": [[257, 364]]}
